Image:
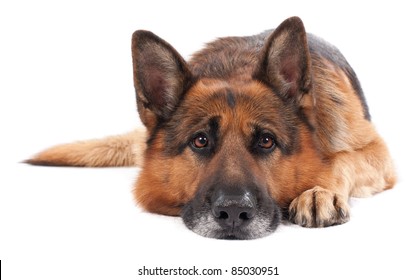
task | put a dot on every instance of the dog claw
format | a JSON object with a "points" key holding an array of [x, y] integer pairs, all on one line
{"points": [[342, 213], [303, 221]]}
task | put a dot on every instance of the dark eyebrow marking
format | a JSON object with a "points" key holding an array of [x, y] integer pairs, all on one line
{"points": [[214, 127]]}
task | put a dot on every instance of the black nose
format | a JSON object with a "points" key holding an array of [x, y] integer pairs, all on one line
{"points": [[233, 210]]}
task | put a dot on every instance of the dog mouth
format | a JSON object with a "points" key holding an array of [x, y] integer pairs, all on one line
{"points": [[241, 234], [232, 217], [234, 236]]}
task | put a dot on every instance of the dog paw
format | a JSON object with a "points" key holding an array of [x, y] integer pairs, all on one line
{"points": [[319, 207]]}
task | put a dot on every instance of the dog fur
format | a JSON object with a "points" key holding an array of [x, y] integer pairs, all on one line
{"points": [[249, 131]]}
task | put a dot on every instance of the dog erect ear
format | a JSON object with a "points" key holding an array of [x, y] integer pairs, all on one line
{"points": [[285, 60], [161, 77]]}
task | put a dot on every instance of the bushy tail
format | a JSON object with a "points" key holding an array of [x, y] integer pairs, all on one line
{"points": [[121, 150]]}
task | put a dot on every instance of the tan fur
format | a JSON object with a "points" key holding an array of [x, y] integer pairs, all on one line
{"points": [[120, 150]]}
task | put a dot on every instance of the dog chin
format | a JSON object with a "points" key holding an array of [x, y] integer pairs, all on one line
{"points": [[204, 224]]}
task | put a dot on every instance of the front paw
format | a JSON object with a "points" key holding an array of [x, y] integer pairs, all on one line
{"points": [[319, 207]]}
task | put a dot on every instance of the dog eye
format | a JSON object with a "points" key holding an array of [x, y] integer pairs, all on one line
{"points": [[200, 141], [266, 141]]}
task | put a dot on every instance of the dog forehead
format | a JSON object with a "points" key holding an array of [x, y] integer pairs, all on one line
{"points": [[232, 100]]}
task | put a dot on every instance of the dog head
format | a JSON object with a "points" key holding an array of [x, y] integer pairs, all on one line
{"points": [[224, 148]]}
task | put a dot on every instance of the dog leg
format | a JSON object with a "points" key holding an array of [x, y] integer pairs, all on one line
{"points": [[359, 173]]}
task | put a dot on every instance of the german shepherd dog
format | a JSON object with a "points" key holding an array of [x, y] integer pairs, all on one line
{"points": [[248, 132]]}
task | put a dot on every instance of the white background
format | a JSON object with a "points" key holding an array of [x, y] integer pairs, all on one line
{"points": [[66, 74]]}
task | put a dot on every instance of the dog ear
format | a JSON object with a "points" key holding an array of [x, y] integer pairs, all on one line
{"points": [[161, 77], [285, 63]]}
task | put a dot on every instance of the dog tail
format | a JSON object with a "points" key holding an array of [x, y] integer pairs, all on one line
{"points": [[113, 151]]}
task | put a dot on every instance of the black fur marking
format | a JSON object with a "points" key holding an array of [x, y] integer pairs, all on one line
{"points": [[230, 99], [288, 215], [314, 208], [153, 134]]}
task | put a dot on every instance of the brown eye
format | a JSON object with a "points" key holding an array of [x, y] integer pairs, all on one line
{"points": [[200, 141], [266, 141]]}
